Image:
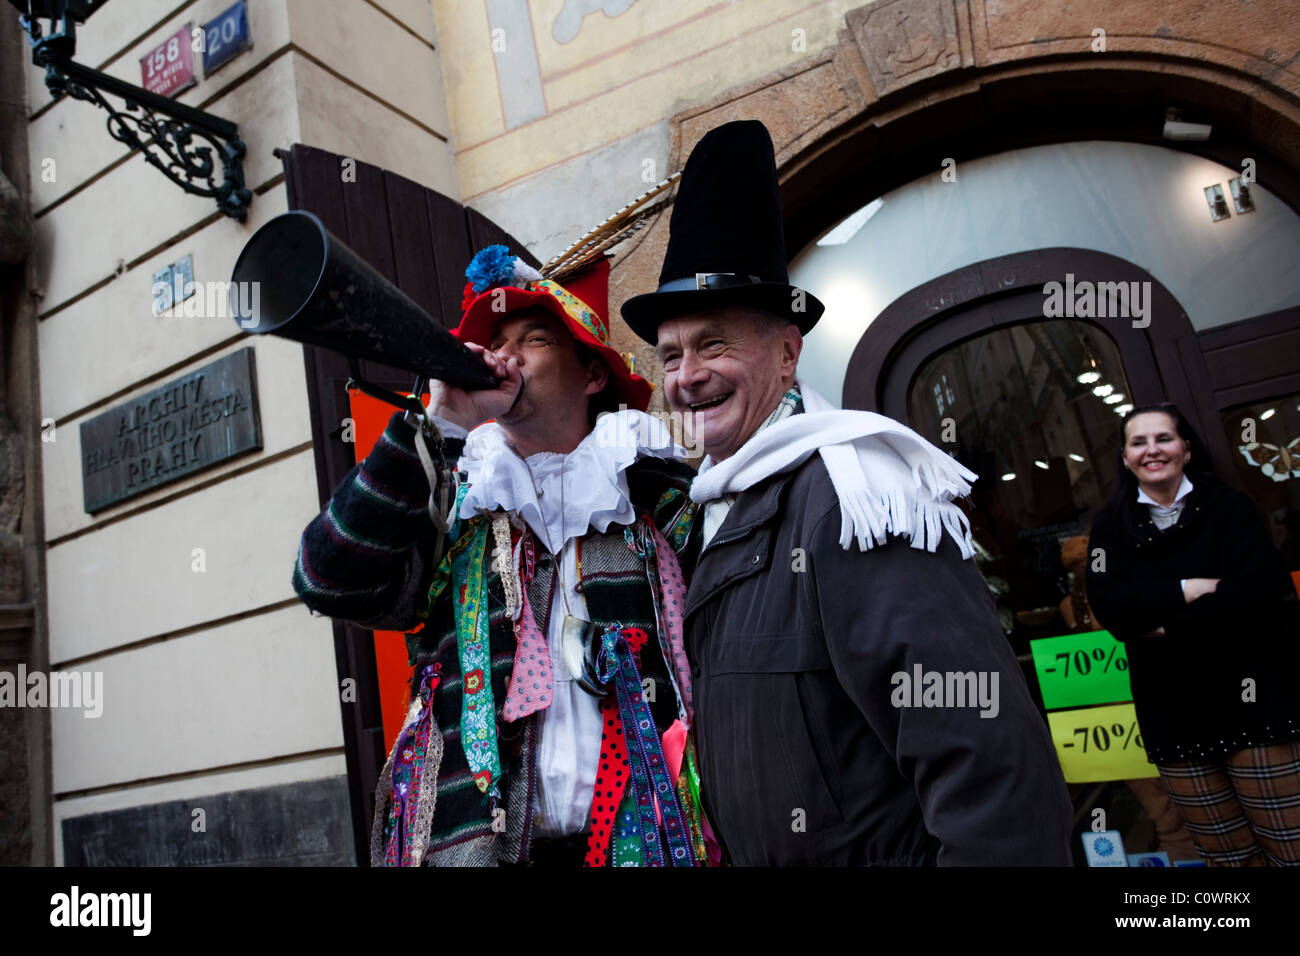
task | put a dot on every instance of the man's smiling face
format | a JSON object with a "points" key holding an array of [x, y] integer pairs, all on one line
{"points": [[725, 370]]}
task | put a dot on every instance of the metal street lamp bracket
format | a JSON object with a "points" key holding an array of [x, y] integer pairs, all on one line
{"points": [[201, 153]]}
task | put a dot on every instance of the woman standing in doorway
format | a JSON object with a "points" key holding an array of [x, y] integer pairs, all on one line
{"points": [[1183, 571]]}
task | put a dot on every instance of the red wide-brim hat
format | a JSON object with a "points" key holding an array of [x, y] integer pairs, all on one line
{"points": [[581, 304]]}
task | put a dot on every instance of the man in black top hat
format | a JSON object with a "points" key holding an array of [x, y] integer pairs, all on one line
{"points": [[856, 701]]}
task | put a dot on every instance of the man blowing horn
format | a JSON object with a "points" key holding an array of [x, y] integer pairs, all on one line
{"points": [[551, 695]]}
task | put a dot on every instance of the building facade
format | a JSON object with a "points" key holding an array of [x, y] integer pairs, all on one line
{"points": [[943, 163], [219, 736]]}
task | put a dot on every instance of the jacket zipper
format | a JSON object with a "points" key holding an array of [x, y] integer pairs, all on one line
{"points": [[733, 536]]}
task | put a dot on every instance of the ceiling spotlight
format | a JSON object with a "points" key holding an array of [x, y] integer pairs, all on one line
{"points": [[1101, 391], [1218, 205], [1074, 457], [1241, 195], [1041, 464], [1114, 399], [1266, 415], [1009, 476], [1123, 409], [1089, 373]]}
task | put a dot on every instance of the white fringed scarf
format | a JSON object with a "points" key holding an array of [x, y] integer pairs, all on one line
{"points": [[889, 480]]}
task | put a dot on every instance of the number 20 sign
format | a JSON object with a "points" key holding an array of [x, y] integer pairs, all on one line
{"points": [[225, 36]]}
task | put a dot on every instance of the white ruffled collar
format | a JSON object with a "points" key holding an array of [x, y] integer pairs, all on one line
{"points": [[589, 481]]}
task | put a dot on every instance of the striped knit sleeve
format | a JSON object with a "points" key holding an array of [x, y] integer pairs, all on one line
{"points": [[368, 557]]}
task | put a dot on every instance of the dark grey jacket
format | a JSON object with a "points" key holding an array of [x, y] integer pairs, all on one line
{"points": [[803, 757]]}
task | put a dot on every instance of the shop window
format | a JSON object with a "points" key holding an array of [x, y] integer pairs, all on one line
{"points": [[1035, 411], [1265, 438]]}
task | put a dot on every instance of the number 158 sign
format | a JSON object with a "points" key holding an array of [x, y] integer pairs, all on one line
{"points": [[169, 67]]}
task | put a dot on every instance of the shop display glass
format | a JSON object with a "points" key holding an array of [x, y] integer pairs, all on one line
{"points": [[1035, 411]]}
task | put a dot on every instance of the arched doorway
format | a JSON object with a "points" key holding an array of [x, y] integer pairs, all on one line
{"points": [[978, 363], [1160, 357]]}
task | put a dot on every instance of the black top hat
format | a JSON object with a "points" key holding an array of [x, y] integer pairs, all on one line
{"points": [[726, 243]]}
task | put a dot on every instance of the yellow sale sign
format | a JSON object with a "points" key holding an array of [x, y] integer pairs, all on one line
{"points": [[1100, 743]]}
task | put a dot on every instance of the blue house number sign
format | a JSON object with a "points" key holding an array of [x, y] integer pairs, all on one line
{"points": [[225, 37]]}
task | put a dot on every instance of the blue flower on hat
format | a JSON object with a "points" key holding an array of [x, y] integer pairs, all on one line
{"points": [[491, 267]]}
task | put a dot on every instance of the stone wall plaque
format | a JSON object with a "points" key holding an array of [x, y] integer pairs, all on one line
{"points": [[293, 824], [172, 432], [903, 41]]}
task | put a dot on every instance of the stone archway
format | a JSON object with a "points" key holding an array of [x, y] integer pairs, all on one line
{"points": [[914, 82]]}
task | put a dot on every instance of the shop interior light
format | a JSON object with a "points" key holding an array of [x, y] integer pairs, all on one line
{"points": [[1123, 409], [1041, 464], [1075, 457], [1265, 416], [1114, 398], [1009, 476], [1101, 391], [1218, 205], [1090, 372], [1241, 200]]}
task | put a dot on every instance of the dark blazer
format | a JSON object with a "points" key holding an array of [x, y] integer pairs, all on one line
{"points": [[803, 757], [1188, 685]]}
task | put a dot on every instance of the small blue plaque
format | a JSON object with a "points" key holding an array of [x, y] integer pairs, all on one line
{"points": [[225, 37]]}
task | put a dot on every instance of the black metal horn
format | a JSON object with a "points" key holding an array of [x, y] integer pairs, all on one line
{"points": [[297, 280]]}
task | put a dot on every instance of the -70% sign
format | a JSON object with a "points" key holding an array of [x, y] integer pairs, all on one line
{"points": [[1082, 661], [1101, 737], [1077, 670], [1100, 743]]}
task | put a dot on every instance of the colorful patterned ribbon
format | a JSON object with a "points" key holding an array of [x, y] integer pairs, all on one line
{"points": [[611, 782], [531, 681], [614, 815], [656, 798], [668, 587], [627, 849], [409, 782], [608, 805], [688, 791], [478, 731]]}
